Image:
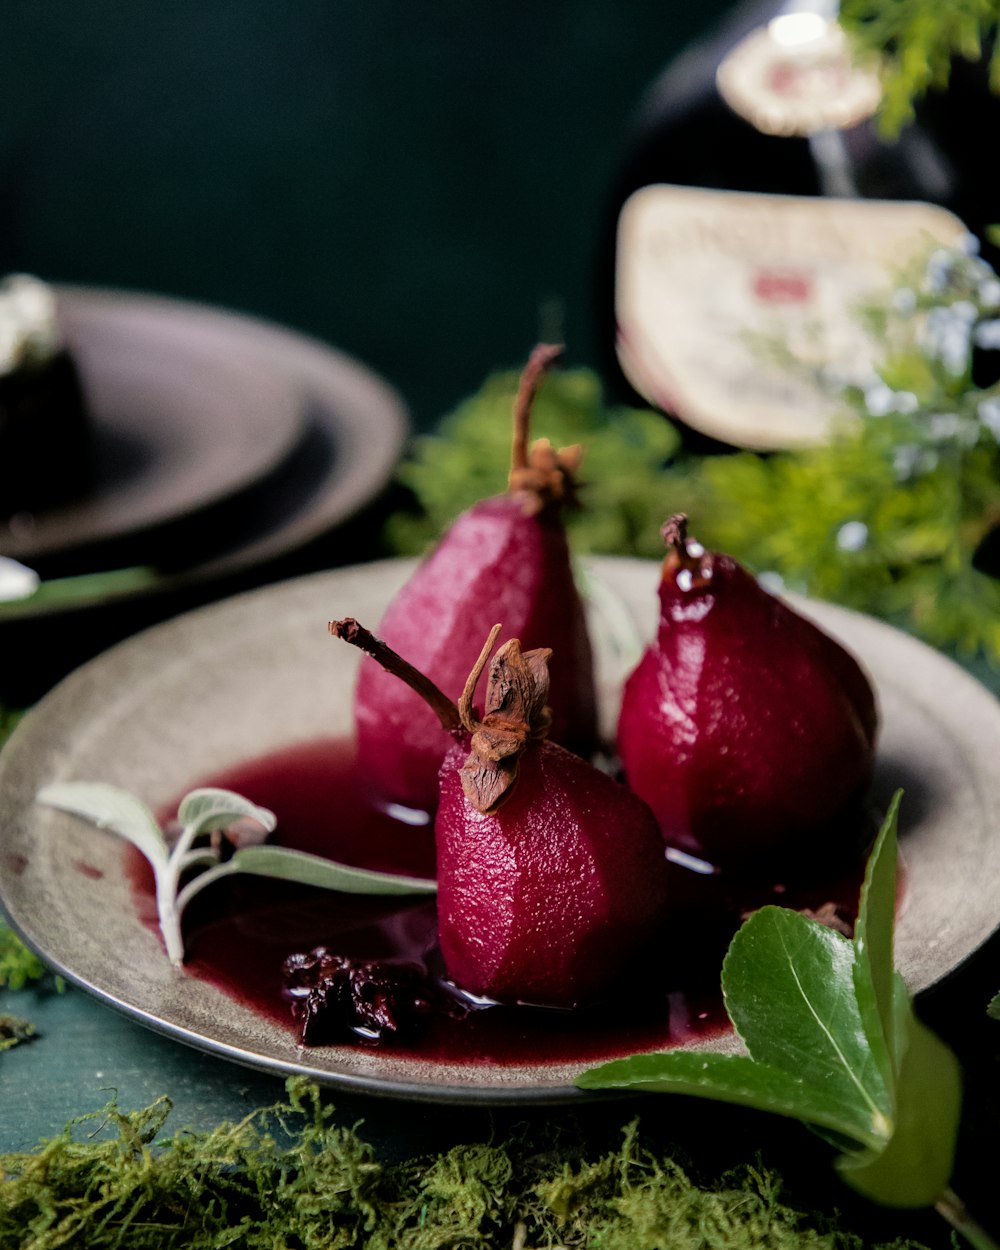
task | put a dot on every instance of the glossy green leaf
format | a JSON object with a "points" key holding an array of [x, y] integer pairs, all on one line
{"points": [[740, 1080], [789, 989], [208, 808], [109, 808], [874, 975], [914, 1168]]}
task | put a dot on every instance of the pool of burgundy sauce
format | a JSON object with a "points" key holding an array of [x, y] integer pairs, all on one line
{"points": [[239, 932]]}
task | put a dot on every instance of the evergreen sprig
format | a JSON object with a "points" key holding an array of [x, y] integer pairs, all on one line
{"points": [[919, 39], [468, 457]]}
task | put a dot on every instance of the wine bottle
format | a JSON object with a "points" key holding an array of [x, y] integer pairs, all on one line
{"points": [[758, 206]]}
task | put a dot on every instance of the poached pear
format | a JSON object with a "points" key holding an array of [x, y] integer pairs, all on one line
{"points": [[745, 727], [551, 875], [506, 557]]}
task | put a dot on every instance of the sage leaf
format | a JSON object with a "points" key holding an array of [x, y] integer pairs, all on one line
{"points": [[914, 1168], [286, 864], [788, 984], [741, 1080], [291, 865], [111, 808], [874, 978], [207, 809]]}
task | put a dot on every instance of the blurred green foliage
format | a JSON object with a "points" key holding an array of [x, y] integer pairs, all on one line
{"points": [[919, 39], [626, 452], [890, 516]]}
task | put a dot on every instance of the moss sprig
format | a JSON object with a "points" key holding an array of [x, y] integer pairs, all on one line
{"points": [[18, 965], [288, 1177]]}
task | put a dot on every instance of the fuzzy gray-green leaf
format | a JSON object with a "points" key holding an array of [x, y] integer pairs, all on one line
{"points": [[109, 807], [789, 989], [208, 808], [291, 865]]}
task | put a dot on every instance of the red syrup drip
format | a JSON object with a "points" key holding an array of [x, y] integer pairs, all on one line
{"points": [[240, 931]]}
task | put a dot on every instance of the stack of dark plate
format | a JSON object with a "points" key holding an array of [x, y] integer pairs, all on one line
{"points": [[224, 452]]}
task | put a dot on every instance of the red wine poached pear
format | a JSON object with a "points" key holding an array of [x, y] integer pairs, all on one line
{"points": [[551, 876], [505, 558], [745, 727]]}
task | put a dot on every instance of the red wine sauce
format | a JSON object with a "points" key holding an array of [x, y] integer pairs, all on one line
{"points": [[240, 931]]}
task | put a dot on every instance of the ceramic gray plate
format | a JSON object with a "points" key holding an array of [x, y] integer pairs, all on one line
{"points": [[181, 421], [259, 671]]}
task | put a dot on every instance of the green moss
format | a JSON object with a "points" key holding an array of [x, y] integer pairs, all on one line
{"points": [[18, 965], [14, 1030], [323, 1188]]}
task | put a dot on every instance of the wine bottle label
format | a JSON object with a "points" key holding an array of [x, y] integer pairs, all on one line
{"points": [[731, 305], [797, 76]]}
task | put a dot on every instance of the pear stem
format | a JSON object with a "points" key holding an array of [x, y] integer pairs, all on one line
{"points": [[531, 377], [443, 708], [465, 708], [684, 554], [673, 531]]}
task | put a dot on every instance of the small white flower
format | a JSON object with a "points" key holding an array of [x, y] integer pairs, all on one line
{"points": [[947, 336], [879, 399], [939, 268], [988, 292], [852, 536], [969, 244], [988, 412], [944, 426], [904, 300], [987, 334], [905, 402]]}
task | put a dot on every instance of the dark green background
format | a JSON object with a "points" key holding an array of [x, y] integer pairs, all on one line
{"points": [[419, 182]]}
